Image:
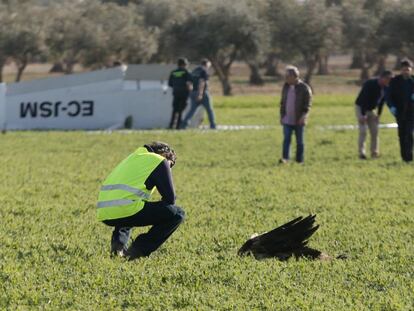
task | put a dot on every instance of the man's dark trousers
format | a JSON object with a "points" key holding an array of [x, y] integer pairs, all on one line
{"points": [[164, 218], [179, 104], [405, 134]]}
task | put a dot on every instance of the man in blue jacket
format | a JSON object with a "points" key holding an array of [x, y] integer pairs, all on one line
{"points": [[371, 98], [402, 98], [200, 94]]}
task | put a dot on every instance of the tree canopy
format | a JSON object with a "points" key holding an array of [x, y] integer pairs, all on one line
{"points": [[261, 33]]}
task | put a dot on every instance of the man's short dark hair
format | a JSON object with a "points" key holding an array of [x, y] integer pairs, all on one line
{"points": [[406, 63], [182, 61], [162, 149], [386, 74], [204, 62]]}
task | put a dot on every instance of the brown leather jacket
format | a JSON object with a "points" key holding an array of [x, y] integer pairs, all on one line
{"points": [[303, 101]]}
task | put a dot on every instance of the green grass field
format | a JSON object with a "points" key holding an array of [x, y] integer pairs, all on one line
{"points": [[54, 255]]}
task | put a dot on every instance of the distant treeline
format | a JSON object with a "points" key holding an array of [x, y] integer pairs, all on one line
{"points": [[261, 33]]}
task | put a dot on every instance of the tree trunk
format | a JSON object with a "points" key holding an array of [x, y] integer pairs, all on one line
{"points": [[2, 63], [323, 65], [19, 74], [381, 64], [57, 67], [21, 66], [357, 60], [271, 65], [69, 66], [223, 73], [364, 76], [255, 77], [310, 67], [397, 63], [225, 84], [369, 60]]}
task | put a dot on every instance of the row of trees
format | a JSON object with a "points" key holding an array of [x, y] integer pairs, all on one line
{"points": [[260, 33]]}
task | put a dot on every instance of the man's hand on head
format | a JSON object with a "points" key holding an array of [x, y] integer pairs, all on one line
{"points": [[171, 163]]}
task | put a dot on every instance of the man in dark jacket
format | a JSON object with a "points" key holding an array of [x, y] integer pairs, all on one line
{"points": [[402, 98], [295, 106], [181, 82], [371, 97]]}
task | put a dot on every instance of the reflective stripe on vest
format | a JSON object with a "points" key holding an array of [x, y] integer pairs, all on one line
{"points": [[127, 188], [121, 202]]}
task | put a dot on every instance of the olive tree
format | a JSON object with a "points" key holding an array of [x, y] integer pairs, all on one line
{"points": [[223, 34], [69, 34], [307, 29], [159, 16], [21, 37], [4, 37], [363, 33], [26, 42], [125, 38], [397, 28]]}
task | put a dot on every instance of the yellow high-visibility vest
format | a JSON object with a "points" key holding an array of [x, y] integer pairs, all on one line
{"points": [[123, 192]]}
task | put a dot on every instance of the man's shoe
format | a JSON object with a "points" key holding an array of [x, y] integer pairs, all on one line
{"points": [[362, 156], [375, 155], [134, 253], [118, 249], [283, 161]]}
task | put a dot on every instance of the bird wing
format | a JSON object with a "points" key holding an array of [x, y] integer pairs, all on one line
{"points": [[286, 238]]}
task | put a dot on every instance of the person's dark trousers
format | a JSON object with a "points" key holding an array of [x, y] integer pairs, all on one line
{"points": [[179, 104], [300, 146], [164, 218], [405, 135]]}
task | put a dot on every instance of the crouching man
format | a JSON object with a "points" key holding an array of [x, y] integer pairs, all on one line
{"points": [[124, 201]]}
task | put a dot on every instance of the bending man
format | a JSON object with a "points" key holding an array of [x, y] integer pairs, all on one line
{"points": [[124, 200], [371, 97]]}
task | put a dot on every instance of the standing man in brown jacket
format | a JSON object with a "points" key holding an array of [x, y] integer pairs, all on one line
{"points": [[295, 105]]}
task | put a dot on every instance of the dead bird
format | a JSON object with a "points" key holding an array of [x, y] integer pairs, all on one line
{"points": [[286, 241]]}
